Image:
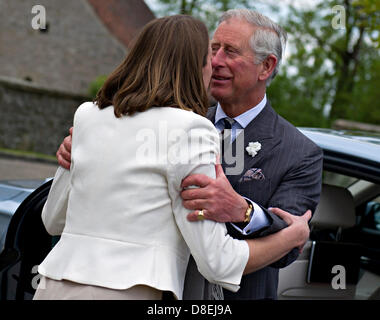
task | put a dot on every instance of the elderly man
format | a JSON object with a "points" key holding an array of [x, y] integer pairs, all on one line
{"points": [[285, 168], [281, 167]]}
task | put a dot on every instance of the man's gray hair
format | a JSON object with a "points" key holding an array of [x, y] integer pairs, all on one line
{"points": [[268, 38]]}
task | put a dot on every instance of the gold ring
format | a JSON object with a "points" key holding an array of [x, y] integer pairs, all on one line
{"points": [[201, 215]]}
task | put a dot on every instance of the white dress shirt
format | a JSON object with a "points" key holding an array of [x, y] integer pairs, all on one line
{"points": [[258, 219]]}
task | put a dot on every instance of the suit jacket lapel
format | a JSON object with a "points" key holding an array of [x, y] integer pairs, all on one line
{"points": [[211, 113], [260, 129]]}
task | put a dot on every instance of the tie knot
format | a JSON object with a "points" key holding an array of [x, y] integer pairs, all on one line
{"points": [[228, 122]]}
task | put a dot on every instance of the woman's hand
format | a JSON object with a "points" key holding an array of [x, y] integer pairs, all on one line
{"points": [[266, 250], [298, 224], [64, 152]]}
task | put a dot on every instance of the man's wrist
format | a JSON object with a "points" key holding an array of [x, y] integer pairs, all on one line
{"points": [[247, 214]]}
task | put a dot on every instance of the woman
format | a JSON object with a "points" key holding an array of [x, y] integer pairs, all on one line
{"points": [[124, 233]]}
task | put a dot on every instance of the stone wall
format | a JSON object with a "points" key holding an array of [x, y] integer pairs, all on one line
{"points": [[34, 118]]}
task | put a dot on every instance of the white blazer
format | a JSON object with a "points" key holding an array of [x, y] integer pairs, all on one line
{"points": [[119, 210]]}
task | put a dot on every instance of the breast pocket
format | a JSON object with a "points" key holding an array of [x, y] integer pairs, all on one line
{"points": [[258, 191]]}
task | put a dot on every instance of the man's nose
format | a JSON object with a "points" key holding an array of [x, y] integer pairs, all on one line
{"points": [[217, 59]]}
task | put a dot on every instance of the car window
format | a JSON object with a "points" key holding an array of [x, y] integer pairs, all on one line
{"points": [[371, 217], [337, 179], [369, 209]]}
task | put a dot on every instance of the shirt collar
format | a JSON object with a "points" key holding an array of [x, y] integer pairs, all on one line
{"points": [[245, 118]]}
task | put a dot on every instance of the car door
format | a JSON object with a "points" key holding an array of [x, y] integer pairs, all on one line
{"points": [[315, 274], [346, 227], [368, 235], [26, 245]]}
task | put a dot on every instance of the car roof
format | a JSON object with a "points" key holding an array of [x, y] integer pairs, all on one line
{"points": [[354, 143]]}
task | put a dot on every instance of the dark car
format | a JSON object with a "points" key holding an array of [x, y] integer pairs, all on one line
{"points": [[341, 260]]}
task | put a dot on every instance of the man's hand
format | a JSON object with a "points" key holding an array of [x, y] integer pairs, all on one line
{"points": [[64, 152], [300, 225], [216, 197]]}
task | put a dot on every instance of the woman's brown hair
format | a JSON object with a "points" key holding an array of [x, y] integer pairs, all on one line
{"points": [[162, 69]]}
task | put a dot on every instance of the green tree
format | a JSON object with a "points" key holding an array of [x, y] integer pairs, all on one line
{"points": [[96, 85], [331, 68], [208, 11]]}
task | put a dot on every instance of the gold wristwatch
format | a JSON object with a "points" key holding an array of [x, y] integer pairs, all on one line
{"points": [[248, 213]]}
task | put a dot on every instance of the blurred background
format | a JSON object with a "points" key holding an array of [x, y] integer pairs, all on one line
{"points": [[54, 55]]}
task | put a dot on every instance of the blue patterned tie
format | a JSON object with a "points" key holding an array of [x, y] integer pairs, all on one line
{"points": [[226, 133]]}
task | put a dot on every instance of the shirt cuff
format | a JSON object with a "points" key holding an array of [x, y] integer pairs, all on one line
{"points": [[258, 220]]}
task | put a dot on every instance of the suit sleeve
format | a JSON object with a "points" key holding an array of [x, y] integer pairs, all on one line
{"points": [[298, 191], [219, 258]]}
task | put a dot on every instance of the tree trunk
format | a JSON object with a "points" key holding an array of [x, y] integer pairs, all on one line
{"points": [[346, 82]]}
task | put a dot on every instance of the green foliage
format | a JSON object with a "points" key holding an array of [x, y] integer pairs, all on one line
{"points": [[208, 11], [290, 102], [334, 67], [329, 72], [96, 85], [27, 154], [369, 12], [366, 94]]}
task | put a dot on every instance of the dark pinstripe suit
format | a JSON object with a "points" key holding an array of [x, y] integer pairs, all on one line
{"points": [[292, 166]]}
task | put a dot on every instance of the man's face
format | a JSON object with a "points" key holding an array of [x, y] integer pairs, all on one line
{"points": [[235, 76]]}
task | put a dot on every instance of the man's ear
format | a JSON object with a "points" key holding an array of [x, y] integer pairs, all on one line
{"points": [[268, 66]]}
